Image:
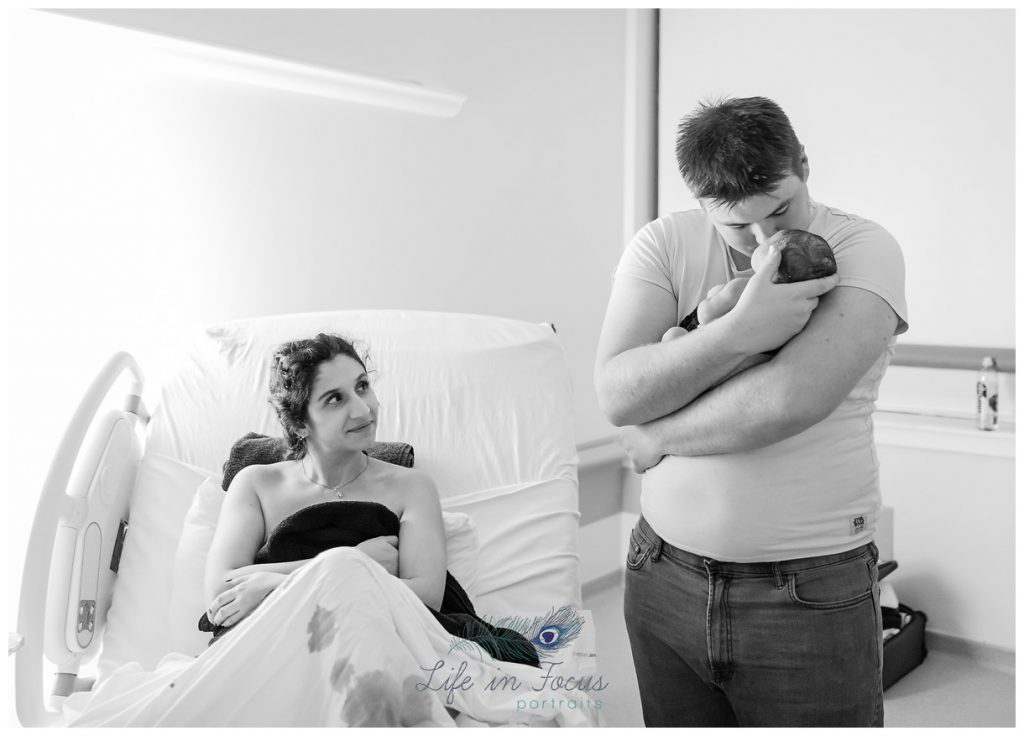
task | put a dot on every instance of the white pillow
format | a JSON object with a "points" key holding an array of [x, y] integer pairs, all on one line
{"points": [[529, 547], [188, 600], [136, 621]]}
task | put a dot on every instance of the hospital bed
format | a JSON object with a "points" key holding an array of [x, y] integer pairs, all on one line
{"points": [[114, 564]]}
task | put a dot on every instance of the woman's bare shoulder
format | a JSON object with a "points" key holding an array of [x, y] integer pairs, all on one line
{"points": [[406, 483], [254, 478], [400, 473]]}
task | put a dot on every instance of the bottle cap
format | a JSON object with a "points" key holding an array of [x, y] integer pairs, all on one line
{"points": [[988, 362]]}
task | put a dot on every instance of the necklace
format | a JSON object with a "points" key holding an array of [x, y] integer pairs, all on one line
{"points": [[335, 489]]}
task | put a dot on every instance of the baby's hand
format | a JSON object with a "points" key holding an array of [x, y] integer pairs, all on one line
{"points": [[721, 299]]}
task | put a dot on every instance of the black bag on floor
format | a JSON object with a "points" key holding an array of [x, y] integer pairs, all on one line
{"points": [[904, 650]]}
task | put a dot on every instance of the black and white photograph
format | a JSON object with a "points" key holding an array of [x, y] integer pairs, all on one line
{"points": [[473, 367]]}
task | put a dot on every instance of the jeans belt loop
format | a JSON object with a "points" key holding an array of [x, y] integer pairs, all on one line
{"points": [[656, 551], [777, 570]]}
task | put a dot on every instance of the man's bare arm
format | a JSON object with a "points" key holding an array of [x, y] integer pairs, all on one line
{"points": [[798, 388], [639, 378]]}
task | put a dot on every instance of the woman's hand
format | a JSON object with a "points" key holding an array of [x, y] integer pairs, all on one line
{"points": [[245, 592], [383, 550]]}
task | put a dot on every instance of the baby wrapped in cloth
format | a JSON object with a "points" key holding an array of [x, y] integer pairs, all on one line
{"points": [[805, 256]]}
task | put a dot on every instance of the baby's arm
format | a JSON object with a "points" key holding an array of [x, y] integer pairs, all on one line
{"points": [[718, 302]]}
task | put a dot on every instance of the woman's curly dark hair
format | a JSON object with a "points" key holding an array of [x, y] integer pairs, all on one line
{"points": [[291, 381]]}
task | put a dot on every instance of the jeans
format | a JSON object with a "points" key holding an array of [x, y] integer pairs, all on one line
{"points": [[790, 643]]}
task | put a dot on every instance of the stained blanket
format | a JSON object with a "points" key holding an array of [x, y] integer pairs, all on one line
{"points": [[340, 643], [314, 529]]}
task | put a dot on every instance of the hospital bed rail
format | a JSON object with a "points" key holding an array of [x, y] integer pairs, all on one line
{"points": [[75, 540]]}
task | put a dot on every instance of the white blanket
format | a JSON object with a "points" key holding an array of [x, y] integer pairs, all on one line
{"points": [[340, 643]]}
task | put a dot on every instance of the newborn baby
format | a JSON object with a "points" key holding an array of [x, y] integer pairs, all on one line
{"points": [[805, 256]]}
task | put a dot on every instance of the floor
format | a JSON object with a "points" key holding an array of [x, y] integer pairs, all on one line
{"points": [[945, 690]]}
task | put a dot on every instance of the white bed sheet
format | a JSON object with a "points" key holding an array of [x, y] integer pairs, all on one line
{"points": [[486, 403], [340, 643]]}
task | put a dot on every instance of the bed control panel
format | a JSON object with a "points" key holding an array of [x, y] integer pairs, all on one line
{"points": [[86, 622], [88, 539], [88, 584]]}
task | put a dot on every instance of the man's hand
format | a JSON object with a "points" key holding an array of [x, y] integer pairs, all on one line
{"points": [[641, 447], [246, 592], [767, 315], [383, 550]]}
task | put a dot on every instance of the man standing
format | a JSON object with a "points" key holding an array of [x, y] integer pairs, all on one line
{"points": [[751, 585]]}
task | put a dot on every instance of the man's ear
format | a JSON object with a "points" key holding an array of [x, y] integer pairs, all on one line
{"points": [[804, 164]]}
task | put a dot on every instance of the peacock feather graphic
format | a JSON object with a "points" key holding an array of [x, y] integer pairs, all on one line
{"points": [[500, 643], [547, 633], [550, 632]]}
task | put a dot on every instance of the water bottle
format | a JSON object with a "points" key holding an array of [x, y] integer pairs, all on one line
{"points": [[988, 394]]}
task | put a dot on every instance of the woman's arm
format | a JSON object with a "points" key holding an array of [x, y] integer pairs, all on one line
{"points": [[233, 585], [239, 532], [383, 550], [284, 568], [422, 563]]}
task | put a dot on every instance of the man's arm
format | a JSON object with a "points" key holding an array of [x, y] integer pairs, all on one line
{"points": [[637, 377], [798, 388], [640, 379]]}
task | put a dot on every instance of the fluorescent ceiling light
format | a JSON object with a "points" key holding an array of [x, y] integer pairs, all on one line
{"points": [[262, 70]]}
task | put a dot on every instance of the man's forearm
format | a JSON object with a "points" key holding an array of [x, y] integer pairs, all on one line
{"points": [[749, 411], [652, 381]]}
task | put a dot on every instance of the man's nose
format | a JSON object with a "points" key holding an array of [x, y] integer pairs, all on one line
{"points": [[763, 230]]}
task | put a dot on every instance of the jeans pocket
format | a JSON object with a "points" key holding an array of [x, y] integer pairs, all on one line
{"points": [[830, 587], [639, 550]]}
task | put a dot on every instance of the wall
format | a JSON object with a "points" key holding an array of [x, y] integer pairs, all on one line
{"points": [[954, 536], [143, 201], [907, 117]]}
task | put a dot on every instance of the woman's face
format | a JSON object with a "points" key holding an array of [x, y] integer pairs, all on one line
{"points": [[342, 411]]}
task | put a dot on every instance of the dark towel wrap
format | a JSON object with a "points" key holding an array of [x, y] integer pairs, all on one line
{"points": [[258, 449]]}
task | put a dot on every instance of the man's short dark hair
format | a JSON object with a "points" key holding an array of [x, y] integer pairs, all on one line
{"points": [[737, 148]]}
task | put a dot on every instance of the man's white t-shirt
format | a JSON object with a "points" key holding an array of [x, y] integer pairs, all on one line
{"points": [[815, 493]]}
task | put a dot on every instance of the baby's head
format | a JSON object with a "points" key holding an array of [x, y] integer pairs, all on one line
{"points": [[805, 256]]}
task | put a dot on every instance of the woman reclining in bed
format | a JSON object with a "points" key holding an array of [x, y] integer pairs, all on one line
{"points": [[330, 493]]}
